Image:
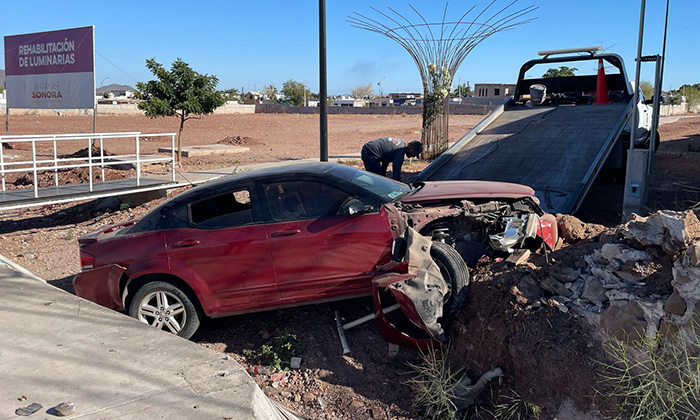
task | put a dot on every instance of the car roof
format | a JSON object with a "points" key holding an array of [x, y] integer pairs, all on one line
{"points": [[313, 168]]}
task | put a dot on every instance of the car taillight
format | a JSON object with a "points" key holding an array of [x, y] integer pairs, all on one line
{"points": [[87, 261]]}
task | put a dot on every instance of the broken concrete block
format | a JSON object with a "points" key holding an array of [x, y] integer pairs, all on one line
{"points": [[692, 255], [593, 291], [518, 257], [686, 280], [632, 273], [576, 288], [526, 291], [551, 285], [564, 273], [605, 276], [653, 313], [612, 252], [672, 230], [624, 322], [675, 304]]}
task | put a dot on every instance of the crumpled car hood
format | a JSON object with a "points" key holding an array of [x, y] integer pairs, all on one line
{"points": [[441, 190]]}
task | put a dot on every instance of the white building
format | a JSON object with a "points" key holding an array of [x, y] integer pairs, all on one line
{"points": [[348, 101], [493, 90]]}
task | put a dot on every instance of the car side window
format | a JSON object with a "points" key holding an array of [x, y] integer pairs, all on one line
{"points": [[298, 200], [223, 211]]}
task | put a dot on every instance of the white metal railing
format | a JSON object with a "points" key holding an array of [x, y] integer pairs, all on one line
{"points": [[57, 164]]}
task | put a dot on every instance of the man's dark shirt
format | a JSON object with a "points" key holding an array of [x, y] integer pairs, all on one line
{"points": [[387, 150]]}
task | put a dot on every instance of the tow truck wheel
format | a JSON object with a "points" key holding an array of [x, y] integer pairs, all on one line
{"points": [[454, 271], [166, 307]]}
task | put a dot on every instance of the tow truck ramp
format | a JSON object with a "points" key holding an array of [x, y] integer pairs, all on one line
{"points": [[556, 150], [556, 142]]}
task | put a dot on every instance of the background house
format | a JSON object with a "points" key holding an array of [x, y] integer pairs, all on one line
{"points": [[349, 101], [119, 91], [493, 90]]}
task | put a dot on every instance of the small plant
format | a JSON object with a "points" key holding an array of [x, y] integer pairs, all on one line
{"points": [[656, 378], [124, 206], [277, 352], [238, 170], [434, 385], [349, 162], [69, 236], [514, 407]]}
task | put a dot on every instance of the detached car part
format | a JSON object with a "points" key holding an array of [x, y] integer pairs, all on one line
{"points": [[429, 280]]}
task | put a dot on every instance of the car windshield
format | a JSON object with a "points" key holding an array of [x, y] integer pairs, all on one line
{"points": [[386, 188]]}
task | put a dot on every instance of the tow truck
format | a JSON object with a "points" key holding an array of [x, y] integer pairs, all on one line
{"points": [[555, 134]]}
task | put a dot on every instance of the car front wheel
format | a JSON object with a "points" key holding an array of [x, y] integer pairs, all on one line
{"points": [[454, 271], [166, 307]]}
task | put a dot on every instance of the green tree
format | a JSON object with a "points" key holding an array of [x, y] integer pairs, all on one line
{"points": [[647, 89], [295, 91], [691, 93], [178, 92], [271, 92], [462, 90], [563, 71]]}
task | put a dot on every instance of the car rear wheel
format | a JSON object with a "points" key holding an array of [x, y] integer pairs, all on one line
{"points": [[454, 271], [166, 307]]}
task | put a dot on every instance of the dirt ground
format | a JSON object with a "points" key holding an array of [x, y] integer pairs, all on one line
{"points": [[368, 383]]}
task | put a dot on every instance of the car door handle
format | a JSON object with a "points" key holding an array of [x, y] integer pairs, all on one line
{"points": [[288, 232], [185, 243]]}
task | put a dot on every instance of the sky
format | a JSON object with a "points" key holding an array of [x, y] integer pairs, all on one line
{"points": [[250, 44]]}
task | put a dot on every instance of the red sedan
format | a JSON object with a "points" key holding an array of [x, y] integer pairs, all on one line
{"points": [[301, 234]]}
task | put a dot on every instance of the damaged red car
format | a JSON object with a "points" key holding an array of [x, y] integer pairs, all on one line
{"points": [[309, 233]]}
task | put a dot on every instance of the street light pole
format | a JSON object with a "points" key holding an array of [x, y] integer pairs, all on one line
{"points": [[323, 80], [380, 86]]}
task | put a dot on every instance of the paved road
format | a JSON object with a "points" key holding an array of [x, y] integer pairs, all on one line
{"points": [[57, 347]]}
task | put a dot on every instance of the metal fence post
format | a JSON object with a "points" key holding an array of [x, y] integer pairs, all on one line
{"points": [[2, 165], [36, 184], [138, 159], [90, 162], [55, 162], [102, 157]]}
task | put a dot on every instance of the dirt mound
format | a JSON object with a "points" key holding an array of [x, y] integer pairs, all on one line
{"points": [[573, 230], [68, 177], [83, 153], [544, 322], [236, 141]]}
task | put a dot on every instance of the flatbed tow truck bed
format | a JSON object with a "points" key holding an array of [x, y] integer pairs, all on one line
{"points": [[558, 145], [556, 150]]}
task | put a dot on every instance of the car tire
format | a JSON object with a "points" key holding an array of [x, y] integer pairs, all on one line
{"points": [[455, 272], [166, 307]]}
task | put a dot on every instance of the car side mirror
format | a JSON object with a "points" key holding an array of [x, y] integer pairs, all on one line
{"points": [[354, 207], [649, 102]]}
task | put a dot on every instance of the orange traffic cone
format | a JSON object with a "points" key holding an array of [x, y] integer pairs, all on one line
{"points": [[601, 86]]}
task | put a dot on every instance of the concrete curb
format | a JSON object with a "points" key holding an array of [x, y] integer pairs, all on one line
{"points": [[58, 348], [14, 266]]}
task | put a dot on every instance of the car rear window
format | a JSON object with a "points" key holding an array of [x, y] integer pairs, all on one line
{"points": [[224, 210]]}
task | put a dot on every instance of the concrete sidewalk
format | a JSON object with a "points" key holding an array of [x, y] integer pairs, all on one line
{"points": [[57, 347]]}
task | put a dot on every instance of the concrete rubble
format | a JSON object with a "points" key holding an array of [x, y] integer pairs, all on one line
{"points": [[609, 285]]}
